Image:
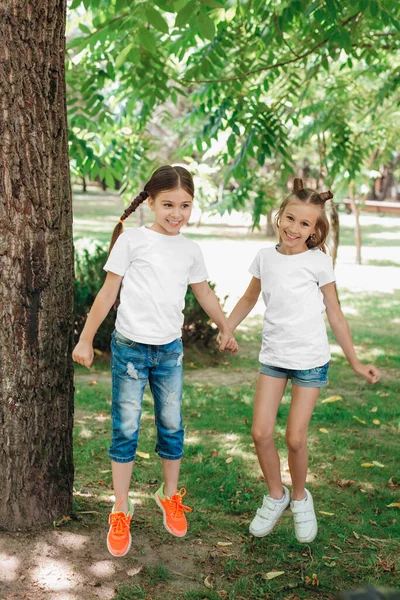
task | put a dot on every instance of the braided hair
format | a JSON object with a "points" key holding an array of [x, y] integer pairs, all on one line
{"points": [[309, 196], [163, 179]]}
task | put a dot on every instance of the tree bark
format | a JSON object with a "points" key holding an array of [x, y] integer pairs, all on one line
{"points": [[269, 230], [36, 262]]}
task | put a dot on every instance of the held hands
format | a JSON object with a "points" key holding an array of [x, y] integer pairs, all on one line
{"points": [[371, 373], [226, 341], [83, 353]]}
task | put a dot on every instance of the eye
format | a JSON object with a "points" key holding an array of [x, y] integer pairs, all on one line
{"points": [[185, 205], [306, 224], [167, 205], [289, 218]]}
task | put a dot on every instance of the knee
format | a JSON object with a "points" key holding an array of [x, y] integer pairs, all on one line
{"points": [[262, 437], [295, 443]]}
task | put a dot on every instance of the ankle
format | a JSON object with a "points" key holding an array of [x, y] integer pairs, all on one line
{"points": [[277, 494], [298, 496]]}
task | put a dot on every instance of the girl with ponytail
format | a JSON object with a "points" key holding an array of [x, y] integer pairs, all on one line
{"points": [[153, 267], [297, 282]]}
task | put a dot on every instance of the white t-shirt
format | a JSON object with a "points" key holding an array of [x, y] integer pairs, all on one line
{"points": [[156, 271], [294, 333]]}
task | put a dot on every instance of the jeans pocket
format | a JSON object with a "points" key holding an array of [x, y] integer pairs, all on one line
{"points": [[123, 341]]}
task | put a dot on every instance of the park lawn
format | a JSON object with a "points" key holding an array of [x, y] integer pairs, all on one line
{"points": [[353, 475]]}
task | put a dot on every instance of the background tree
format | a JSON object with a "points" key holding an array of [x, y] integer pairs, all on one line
{"points": [[256, 82], [36, 377]]}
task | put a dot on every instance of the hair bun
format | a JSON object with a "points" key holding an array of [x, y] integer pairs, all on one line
{"points": [[298, 185], [326, 195], [143, 195]]}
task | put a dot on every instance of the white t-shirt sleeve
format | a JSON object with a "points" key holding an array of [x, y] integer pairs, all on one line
{"points": [[120, 257], [255, 268], [198, 271], [326, 273]]}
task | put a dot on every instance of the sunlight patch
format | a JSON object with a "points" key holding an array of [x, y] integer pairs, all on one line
{"points": [[73, 541], [54, 575], [85, 433], [8, 567], [192, 439], [103, 568]]}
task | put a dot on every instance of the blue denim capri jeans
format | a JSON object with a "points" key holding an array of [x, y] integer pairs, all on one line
{"points": [[132, 366], [316, 377]]}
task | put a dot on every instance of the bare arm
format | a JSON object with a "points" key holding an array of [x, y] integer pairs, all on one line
{"points": [[209, 302], [83, 351], [341, 330], [245, 304]]}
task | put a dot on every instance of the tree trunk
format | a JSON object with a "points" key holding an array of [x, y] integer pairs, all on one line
{"points": [[270, 231], [334, 231], [36, 262], [357, 229]]}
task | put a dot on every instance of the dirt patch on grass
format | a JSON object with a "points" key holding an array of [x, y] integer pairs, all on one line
{"points": [[72, 562]]}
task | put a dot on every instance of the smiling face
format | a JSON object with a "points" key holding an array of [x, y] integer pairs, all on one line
{"points": [[172, 210], [296, 224]]}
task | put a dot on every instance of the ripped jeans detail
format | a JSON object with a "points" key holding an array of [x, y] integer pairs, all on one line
{"points": [[133, 365]]}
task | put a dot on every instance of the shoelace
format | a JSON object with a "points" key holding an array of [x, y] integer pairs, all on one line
{"points": [[177, 508], [119, 521]]}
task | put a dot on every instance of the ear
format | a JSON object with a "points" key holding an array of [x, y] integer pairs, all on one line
{"points": [[150, 202]]}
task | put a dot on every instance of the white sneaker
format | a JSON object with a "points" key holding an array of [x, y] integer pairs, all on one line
{"points": [[269, 514], [305, 521]]}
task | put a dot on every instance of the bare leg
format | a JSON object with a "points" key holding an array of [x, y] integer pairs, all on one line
{"points": [[303, 402], [171, 469], [121, 473], [268, 397]]}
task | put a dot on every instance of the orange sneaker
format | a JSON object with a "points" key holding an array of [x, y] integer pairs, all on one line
{"points": [[119, 535], [173, 511]]}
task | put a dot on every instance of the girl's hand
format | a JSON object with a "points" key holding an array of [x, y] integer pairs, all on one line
{"points": [[226, 341], [371, 373], [83, 353]]}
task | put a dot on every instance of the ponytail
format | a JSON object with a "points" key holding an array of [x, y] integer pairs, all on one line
{"points": [[119, 228]]}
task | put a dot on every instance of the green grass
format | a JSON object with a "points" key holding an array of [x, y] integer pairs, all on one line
{"points": [[358, 540]]}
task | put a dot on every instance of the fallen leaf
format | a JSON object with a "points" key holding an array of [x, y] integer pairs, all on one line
{"points": [[368, 464], [273, 574], [393, 484], [344, 483], [224, 543], [214, 453], [63, 520], [134, 571], [98, 352], [229, 460], [330, 564], [359, 420], [332, 399], [208, 582], [393, 505], [315, 580], [374, 409], [143, 454], [92, 382], [323, 430], [328, 514], [356, 535], [378, 464], [376, 422]]}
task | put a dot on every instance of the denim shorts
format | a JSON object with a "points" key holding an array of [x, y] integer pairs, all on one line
{"points": [[132, 366], [315, 378]]}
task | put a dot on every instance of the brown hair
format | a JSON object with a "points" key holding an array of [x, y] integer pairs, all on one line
{"points": [[309, 196], [163, 179]]}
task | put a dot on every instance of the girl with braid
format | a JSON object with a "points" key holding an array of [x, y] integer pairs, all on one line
{"points": [[153, 267], [296, 280]]}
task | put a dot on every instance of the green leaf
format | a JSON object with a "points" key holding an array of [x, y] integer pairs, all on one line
{"points": [[84, 28], [206, 27], [183, 16], [122, 55], [212, 3], [374, 8], [156, 20], [147, 39], [75, 4]]}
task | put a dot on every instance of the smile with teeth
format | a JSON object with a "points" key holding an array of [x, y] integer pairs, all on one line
{"points": [[173, 222], [291, 237]]}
